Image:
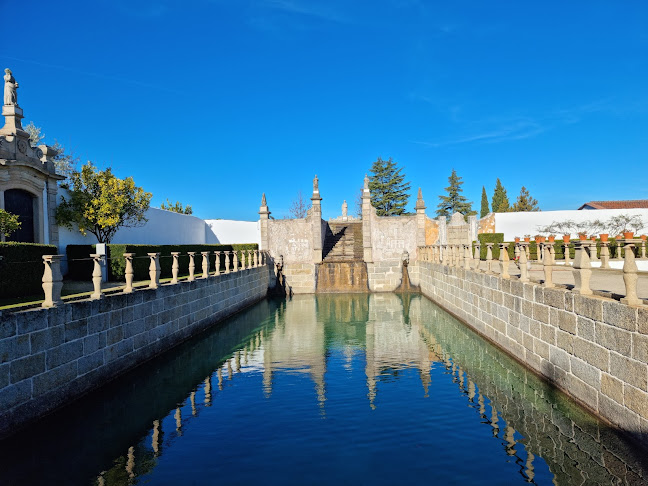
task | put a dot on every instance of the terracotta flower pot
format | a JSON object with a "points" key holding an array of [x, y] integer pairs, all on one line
{"points": [[517, 239], [604, 236], [643, 237], [566, 239], [552, 239], [628, 235], [527, 239], [582, 237], [542, 239]]}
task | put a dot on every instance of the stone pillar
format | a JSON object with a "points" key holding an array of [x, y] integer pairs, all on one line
{"points": [[217, 255], [477, 254], [368, 213], [316, 222], [249, 254], [605, 255], [420, 219], [192, 266], [256, 258], [643, 249], [516, 251], [619, 252], [504, 260], [582, 268], [175, 267], [489, 258], [129, 273], [154, 270], [548, 267], [527, 249], [227, 262], [242, 260], [630, 275], [567, 257], [264, 220], [467, 256], [523, 261], [52, 280], [593, 251], [96, 276], [205, 264], [235, 261]]}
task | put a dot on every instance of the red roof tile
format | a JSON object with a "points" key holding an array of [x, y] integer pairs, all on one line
{"points": [[636, 203]]}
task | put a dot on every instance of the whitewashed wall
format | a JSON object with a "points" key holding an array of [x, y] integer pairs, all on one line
{"points": [[227, 231], [520, 224]]}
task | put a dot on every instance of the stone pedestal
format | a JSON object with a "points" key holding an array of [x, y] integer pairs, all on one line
{"points": [[630, 275], [582, 268], [13, 126]]}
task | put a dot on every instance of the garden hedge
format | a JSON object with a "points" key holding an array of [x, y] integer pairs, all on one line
{"points": [[21, 268], [80, 268]]}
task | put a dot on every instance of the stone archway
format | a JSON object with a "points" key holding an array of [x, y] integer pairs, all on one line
{"points": [[21, 203]]}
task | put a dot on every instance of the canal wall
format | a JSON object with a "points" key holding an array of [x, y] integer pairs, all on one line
{"points": [[49, 357], [594, 349]]}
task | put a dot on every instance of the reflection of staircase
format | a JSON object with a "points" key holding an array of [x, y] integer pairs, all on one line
{"points": [[343, 242]]}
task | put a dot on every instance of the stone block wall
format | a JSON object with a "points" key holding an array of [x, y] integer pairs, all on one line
{"points": [[594, 349], [49, 357], [385, 276], [300, 277]]}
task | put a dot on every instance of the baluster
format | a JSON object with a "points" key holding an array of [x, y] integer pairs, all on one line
{"points": [[605, 255], [192, 266], [489, 258], [256, 258], [630, 275], [547, 265], [566, 246], [593, 250], [643, 247], [205, 264], [154, 270], [477, 257], [175, 266], [524, 270], [582, 268], [52, 280], [227, 262], [249, 259], [235, 261], [504, 260], [466, 257], [96, 276], [129, 273], [217, 254]]}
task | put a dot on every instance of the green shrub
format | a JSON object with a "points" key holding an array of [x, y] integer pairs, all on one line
{"points": [[141, 260], [489, 238], [21, 268]]}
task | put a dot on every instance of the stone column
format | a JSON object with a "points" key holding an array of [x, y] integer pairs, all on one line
{"points": [[52, 280], [593, 251], [467, 256], [605, 255], [477, 258], [489, 258], [175, 267], [192, 266], [227, 262], [264, 221], [643, 249], [205, 264], [619, 252], [630, 275], [217, 254], [129, 273], [567, 250], [516, 250], [582, 268], [504, 260], [524, 270], [420, 219], [368, 213], [96, 276], [316, 223], [547, 265], [154, 270]]}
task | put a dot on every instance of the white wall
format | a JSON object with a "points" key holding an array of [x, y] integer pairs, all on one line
{"points": [[520, 224], [227, 231]]}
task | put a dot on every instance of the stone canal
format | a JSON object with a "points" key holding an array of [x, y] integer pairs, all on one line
{"points": [[325, 389]]}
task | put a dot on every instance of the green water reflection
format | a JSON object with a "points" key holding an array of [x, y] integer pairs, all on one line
{"points": [[129, 432]]}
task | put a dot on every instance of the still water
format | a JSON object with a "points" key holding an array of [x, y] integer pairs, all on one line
{"points": [[336, 389]]}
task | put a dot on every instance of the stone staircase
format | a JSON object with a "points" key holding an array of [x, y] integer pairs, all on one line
{"points": [[343, 242]]}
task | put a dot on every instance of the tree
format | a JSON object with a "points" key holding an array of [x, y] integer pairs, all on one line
{"points": [[389, 191], [299, 207], [484, 204], [101, 203], [8, 222], [500, 202], [525, 202], [65, 163], [177, 207], [454, 202]]}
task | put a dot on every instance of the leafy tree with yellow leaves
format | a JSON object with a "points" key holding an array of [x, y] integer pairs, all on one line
{"points": [[8, 223], [101, 203]]}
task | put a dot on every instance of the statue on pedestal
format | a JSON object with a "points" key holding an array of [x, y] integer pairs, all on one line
{"points": [[345, 209], [10, 87], [316, 184]]}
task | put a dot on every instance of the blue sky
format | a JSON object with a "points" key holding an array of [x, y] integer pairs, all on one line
{"points": [[212, 102]]}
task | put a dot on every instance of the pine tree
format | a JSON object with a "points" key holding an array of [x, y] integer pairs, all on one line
{"points": [[500, 202], [484, 204], [454, 202], [389, 192], [525, 202]]}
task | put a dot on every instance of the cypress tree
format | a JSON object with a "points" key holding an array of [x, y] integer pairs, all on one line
{"points": [[525, 202], [454, 202], [389, 191], [500, 202], [484, 204]]}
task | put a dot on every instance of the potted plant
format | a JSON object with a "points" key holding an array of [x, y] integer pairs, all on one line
{"points": [[517, 239], [604, 237], [582, 236], [566, 239], [527, 238], [628, 235], [552, 238]]}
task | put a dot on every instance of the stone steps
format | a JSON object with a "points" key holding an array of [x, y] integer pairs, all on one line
{"points": [[343, 242]]}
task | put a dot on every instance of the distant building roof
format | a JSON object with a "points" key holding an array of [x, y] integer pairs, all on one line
{"points": [[636, 203]]}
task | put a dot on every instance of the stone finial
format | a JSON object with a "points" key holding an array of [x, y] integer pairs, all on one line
{"points": [[315, 184], [345, 209], [366, 183], [10, 89], [263, 200], [420, 204]]}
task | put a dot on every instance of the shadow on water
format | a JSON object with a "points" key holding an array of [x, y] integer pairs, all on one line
{"points": [[120, 433]]}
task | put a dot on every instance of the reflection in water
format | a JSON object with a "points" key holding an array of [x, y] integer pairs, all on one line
{"points": [[417, 366]]}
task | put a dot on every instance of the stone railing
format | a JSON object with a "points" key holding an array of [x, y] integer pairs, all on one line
{"points": [[53, 280], [586, 251]]}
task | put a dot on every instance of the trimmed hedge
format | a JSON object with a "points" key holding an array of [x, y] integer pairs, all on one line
{"points": [[21, 268], [81, 269]]}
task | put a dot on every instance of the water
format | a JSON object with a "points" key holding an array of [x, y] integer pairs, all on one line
{"points": [[329, 389]]}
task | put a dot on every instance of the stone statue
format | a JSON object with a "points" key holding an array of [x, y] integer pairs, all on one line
{"points": [[316, 184], [10, 87], [345, 209]]}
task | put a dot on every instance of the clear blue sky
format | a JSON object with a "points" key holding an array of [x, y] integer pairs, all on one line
{"points": [[214, 102]]}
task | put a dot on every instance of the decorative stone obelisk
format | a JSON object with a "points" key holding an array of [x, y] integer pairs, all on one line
{"points": [[368, 213], [264, 216], [420, 219], [316, 221]]}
